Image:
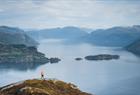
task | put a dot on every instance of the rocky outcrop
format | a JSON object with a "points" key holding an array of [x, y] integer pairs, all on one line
{"points": [[41, 87], [102, 57]]}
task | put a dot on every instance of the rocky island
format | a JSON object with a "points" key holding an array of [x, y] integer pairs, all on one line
{"points": [[78, 59], [102, 57], [41, 87]]}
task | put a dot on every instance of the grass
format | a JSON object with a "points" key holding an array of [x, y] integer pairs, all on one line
{"points": [[43, 87]]}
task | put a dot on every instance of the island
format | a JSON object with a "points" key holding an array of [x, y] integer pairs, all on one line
{"points": [[41, 87], [54, 60], [78, 59], [102, 57]]}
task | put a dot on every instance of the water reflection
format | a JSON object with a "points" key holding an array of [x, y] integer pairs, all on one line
{"points": [[19, 66]]}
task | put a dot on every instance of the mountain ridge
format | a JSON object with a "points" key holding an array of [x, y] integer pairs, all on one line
{"points": [[68, 32], [115, 36], [12, 35]]}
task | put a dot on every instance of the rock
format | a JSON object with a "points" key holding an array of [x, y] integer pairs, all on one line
{"points": [[102, 57], [78, 59], [54, 60], [41, 87]]}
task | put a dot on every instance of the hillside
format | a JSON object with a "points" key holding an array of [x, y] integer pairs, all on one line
{"points": [[21, 54], [116, 36], [134, 47], [11, 35], [41, 87], [58, 33]]}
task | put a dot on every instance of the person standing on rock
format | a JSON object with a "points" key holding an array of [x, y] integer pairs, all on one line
{"points": [[42, 75]]}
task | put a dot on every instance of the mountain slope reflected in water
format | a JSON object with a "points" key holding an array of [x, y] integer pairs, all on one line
{"points": [[19, 66]]}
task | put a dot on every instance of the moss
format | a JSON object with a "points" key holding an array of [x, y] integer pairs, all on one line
{"points": [[43, 87]]}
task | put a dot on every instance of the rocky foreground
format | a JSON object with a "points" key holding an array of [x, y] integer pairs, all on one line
{"points": [[41, 87]]}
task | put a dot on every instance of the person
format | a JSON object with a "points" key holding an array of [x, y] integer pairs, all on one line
{"points": [[42, 75]]}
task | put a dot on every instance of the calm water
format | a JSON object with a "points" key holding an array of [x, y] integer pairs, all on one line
{"points": [[114, 77]]}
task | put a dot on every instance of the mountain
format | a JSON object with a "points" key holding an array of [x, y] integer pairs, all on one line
{"points": [[58, 33], [134, 47], [88, 30], [41, 87], [11, 35], [116, 36]]}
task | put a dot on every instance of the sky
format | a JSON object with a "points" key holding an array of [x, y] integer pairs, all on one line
{"points": [[60, 13]]}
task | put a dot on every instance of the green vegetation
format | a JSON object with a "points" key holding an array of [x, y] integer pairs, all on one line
{"points": [[41, 87], [21, 54], [11, 35]]}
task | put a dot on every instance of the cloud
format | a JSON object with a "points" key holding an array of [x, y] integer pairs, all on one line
{"points": [[82, 13], [1, 10]]}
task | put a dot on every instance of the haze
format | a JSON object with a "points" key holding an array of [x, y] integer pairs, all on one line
{"points": [[60, 13]]}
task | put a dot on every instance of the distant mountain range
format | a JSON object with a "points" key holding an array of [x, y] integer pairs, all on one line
{"points": [[116, 36], [128, 37], [11, 35], [58, 33], [134, 47]]}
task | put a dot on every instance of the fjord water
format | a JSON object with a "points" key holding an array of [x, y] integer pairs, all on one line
{"points": [[113, 77]]}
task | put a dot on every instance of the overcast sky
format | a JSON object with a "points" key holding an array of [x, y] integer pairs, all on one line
{"points": [[60, 13]]}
